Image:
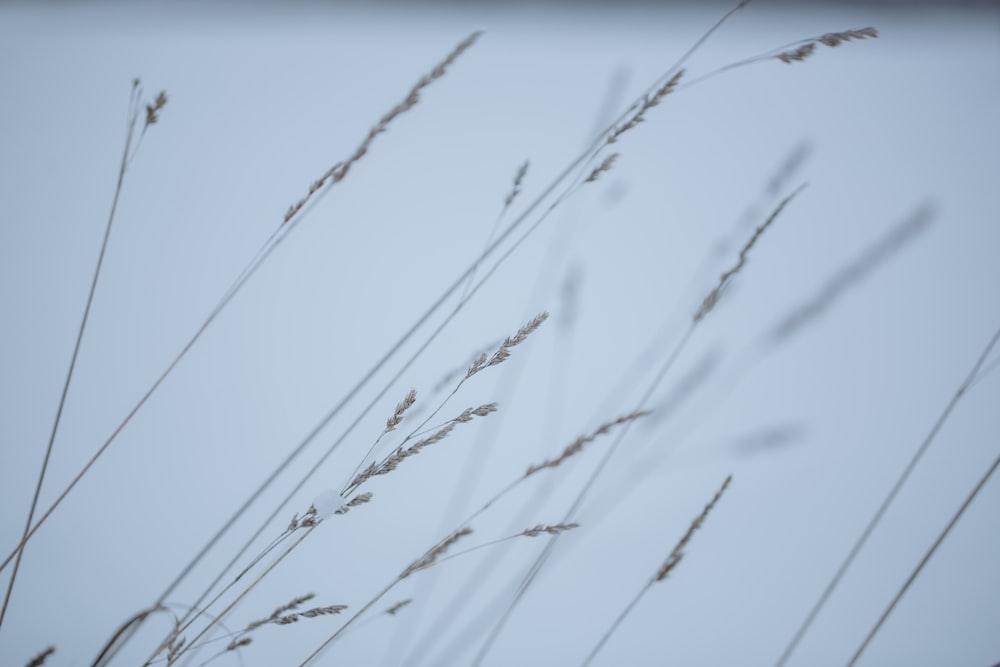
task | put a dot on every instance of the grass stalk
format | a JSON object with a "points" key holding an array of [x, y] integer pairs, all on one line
{"points": [[923, 561], [665, 569], [504, 239], [333, 176], [127, 154], [433, 554], [707, 306], [884, 505]]}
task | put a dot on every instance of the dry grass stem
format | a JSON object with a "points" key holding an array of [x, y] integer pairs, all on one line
{"points": [[648, 102], [435, 552], [128, 153], [577, 445], [40, 659], [222, 614], [176, 644], [713, 297], [174, 650], [889, 499], [601, 168], [675, 556], [555, 529], [338, 172], [923, 561]]}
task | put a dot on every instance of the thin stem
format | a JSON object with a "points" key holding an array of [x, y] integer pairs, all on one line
{"points": [[618, 621], [463, 529], [838, 575], [466, 276], [195, 612], [567, 172], [351, 620], [232, 605], [923, 561], [536, 567], [295, 215], [133, 115], [350, 487]]}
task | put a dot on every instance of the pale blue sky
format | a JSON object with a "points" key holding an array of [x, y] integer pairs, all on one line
{"points": [[263, 100]]}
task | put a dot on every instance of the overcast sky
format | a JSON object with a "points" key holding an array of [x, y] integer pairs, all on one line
{"points": [[887, 258]]}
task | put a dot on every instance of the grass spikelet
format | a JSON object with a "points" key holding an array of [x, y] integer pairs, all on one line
{"points": [[281, 616], [713, 297], [648, 103], [797, 55], [481, 411], [40, 659], [516, 189], [830, 39], [323, 611], [554, 529], [310, 519], [237, 644], [281, 611], [401, 407], [338, 172], [601, 168], [669, 564], [309, 613], [394, 609], [678, 552], [153, 110], [392, 461], [462, 370], [435, 552], [478, 364], [577, 445], [838, 38], [503, 351], [359, 499]]}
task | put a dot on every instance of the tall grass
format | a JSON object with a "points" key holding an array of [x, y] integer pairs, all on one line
{"points": [[422, 512]]}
